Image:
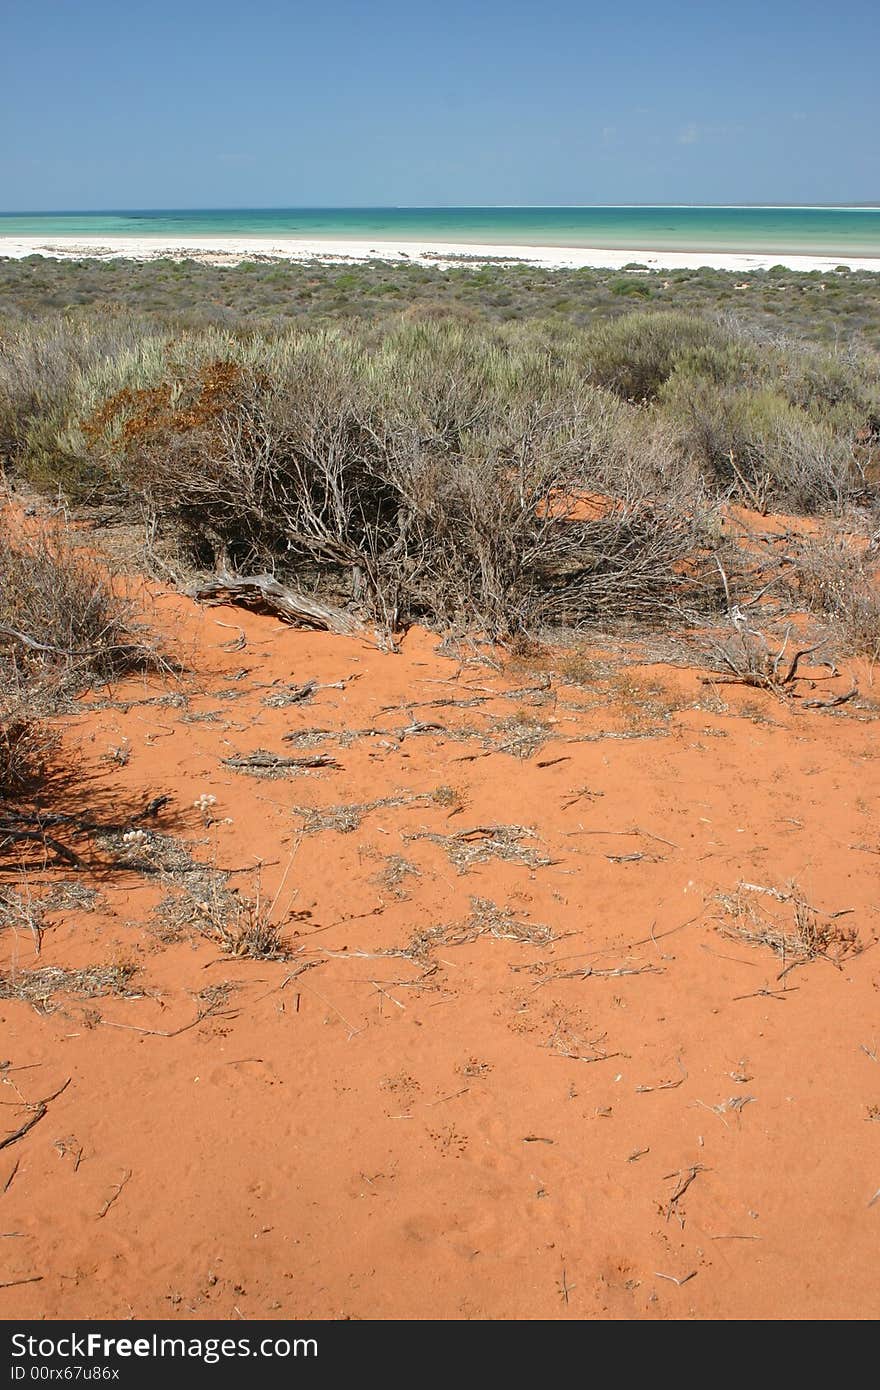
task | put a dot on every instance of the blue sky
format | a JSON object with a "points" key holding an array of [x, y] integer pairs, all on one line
{"points": [[264, 103]]}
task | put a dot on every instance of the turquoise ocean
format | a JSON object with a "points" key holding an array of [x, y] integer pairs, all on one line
{"points": [[825, 231]]}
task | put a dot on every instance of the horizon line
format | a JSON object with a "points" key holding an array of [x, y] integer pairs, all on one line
{"points": [[446, 207]]}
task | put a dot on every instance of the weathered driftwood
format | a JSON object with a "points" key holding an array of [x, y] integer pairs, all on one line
{"points": [[262, 591], [261, 761]]}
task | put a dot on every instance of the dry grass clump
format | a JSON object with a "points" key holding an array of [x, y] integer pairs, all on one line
{"points": [[394, 874], [522, 735], [23, 910], [640, 700], [447, 796], [486, 918], [63, 626], [36, 987], [796, 931], [249, 933], [243, 927], [346, 818], [577, 668], [484, 842]]}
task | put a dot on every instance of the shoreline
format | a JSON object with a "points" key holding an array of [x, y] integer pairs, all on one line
{"points": [[233, 250]]}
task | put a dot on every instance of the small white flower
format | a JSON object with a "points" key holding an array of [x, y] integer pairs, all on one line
{"points": [[135, 837], [204, 802]]}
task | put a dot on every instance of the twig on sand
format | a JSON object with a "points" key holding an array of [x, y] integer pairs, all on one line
{"points": [[685, 1177], [352, 1031], [453, 1095], [385, 995], [590, 972], [212, 1011], [114, 1196], [39, 1109], [658, 936], [14, 1283], [566, 1044], [12, 1172], [672, 1279], [766, 993], [262, 762], [834, 701], [636, 831], [665, 1085]]}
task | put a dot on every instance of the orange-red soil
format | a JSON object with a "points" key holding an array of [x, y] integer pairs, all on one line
{"points": [[629, 1116]]}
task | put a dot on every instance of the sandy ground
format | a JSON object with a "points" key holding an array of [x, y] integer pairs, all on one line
{"points": [[550, 1084], [231, 250]]}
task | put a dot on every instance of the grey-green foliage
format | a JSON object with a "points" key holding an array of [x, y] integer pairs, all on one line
{"points": [[432, 468]]}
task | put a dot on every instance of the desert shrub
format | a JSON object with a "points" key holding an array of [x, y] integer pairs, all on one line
{"points": [[837, 577], [41, 371], [186, 295], [839, 388], [634, 355], [430, 466], [760, 446], [630, 289], [428, 473], [63, 623]]}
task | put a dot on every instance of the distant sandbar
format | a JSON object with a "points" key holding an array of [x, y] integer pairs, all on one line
{"points": [[233, 250]]}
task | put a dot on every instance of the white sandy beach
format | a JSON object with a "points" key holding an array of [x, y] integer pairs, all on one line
{"points": [[231, 250]]}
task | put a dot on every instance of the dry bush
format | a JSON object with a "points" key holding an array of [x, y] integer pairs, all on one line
{"points": [[754, 443], [63, 622], [836, 577], [749, 657], [434, 476], [63, 626], [42, 369], [435, 470]]}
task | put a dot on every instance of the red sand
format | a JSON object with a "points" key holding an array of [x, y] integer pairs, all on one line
{"points": [[469, 1135]]}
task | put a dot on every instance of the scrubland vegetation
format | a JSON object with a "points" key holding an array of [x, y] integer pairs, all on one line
{"points": [[831, 308], [450, 462]]}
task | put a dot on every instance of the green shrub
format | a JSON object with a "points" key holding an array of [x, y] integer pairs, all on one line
{"points": [[634, 355], [630, 289]]}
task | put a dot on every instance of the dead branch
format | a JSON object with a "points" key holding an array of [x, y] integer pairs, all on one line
{"points": [[261, 761], [263, 592], [39, 1108]]}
